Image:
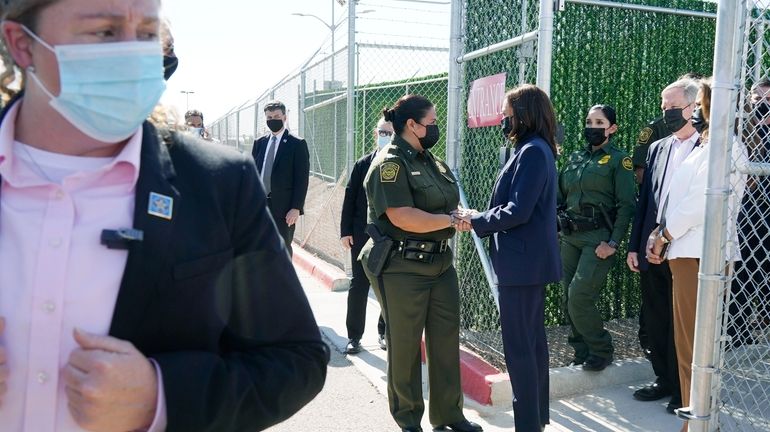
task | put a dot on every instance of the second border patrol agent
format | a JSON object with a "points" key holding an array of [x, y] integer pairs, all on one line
{"points": [[597, 197], [411, 196]]}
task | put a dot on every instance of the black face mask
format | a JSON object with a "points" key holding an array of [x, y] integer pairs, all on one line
{"points": [[594, 136], [275, 125], [762, 109], [506, 125], [431, 137], [674, 119], [170, 63], [698, 122]]}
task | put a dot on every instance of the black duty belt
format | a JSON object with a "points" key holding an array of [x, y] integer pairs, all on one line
{"points": [[421, 250]]}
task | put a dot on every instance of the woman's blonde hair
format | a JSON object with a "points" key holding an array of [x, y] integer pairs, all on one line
{"points": [[23, 12], [704, 94]]}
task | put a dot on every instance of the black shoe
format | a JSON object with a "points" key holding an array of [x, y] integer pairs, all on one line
{"points": [[353, 347], [647, 353], [383, 342], [577, 361], [412, 429], [595, 363], [674, 404], [652, 392], [461, 426]]}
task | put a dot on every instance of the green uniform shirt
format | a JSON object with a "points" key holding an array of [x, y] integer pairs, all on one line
{"points": [[654, 131], [601, 178], [402, 177]]}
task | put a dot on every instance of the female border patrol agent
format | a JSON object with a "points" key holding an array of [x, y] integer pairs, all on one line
{"points": [[596, 198], [411, 196]]}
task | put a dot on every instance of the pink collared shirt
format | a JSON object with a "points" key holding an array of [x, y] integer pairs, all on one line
{"points": [[54, 273]]}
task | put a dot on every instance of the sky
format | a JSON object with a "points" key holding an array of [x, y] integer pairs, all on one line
{"points": [[231, 51]]}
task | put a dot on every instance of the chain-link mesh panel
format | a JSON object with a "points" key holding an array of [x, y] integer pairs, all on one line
{"points": [[744, 398], [488, 22], [619, 57]]}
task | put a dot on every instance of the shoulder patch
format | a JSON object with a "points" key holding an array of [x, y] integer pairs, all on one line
{"points": [[389, 172], [644, 136], [627, 163], [604, 159]]}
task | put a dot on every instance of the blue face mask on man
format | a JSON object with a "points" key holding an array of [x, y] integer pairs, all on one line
{"points": [[107, 89]]}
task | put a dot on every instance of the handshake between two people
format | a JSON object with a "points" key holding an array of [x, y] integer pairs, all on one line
{"points": [[461, 219]]}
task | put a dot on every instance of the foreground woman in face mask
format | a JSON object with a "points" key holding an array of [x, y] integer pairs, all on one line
{"points": [[412, 195], [133, 262], [596, 197]]}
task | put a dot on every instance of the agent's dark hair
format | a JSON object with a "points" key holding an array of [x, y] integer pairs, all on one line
{"points": [[764, 82], [193, 113], [275, 105], [411, 106], [532, 114], [608, 112]]}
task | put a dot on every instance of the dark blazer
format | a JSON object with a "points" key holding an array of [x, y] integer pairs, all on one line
{"points": [[524, 248], [236, 352], [354, 206], [291, 172], [645, 218]]}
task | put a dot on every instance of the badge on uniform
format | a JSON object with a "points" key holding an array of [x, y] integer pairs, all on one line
{"points": [[627, 163], [441, 167], [160, 205], [604, 159], [389, 172]]}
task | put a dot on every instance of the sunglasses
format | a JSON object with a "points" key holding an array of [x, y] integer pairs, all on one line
{"points": [[384, 133]]}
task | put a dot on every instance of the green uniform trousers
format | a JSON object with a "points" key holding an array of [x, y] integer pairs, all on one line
{"points": [[416, 296], [583, 277]]}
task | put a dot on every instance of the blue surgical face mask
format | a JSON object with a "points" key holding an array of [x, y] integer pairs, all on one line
{"points": [[382, 141], [107, 89]]}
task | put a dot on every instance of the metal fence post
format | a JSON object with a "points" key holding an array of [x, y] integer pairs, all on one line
{"points": [[712, 267], [545, 46], [351, 107], [454, 114]]}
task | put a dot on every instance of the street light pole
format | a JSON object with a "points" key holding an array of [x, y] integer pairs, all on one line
{"points": [[187, 97]]}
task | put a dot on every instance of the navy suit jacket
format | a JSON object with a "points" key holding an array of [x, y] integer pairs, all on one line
{"points": [[645, 219], [521, 219]]}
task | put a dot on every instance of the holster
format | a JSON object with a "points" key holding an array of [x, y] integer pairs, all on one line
{"points": [[380, 251]]}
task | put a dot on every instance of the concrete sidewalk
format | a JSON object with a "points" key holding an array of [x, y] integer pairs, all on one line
{"points": [[607, 409]]}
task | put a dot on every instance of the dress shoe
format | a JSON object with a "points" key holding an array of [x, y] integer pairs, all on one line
{"points": [[652, 392], [353, 347], [577, 361], [461, 426], [595, 363], [412, 429], [383, 343], [674, 404]]}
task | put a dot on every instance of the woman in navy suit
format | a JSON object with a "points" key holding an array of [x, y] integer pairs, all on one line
{"points": [[524, 250]]}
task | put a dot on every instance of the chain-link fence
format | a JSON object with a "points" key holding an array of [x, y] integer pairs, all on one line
{"points": [[621, 53], [392, 55], [731, 362]]}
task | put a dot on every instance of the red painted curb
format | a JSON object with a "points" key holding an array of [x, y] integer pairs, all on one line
{"points": [[322, 271], [476, 374]]}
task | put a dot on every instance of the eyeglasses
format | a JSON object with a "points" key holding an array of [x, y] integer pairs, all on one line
{"points": [[384, 133]]}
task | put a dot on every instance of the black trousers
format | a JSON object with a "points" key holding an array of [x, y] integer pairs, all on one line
{"points": [[750, 289], [359, 294], [657, 295], [522, 317], [286, 231]]}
